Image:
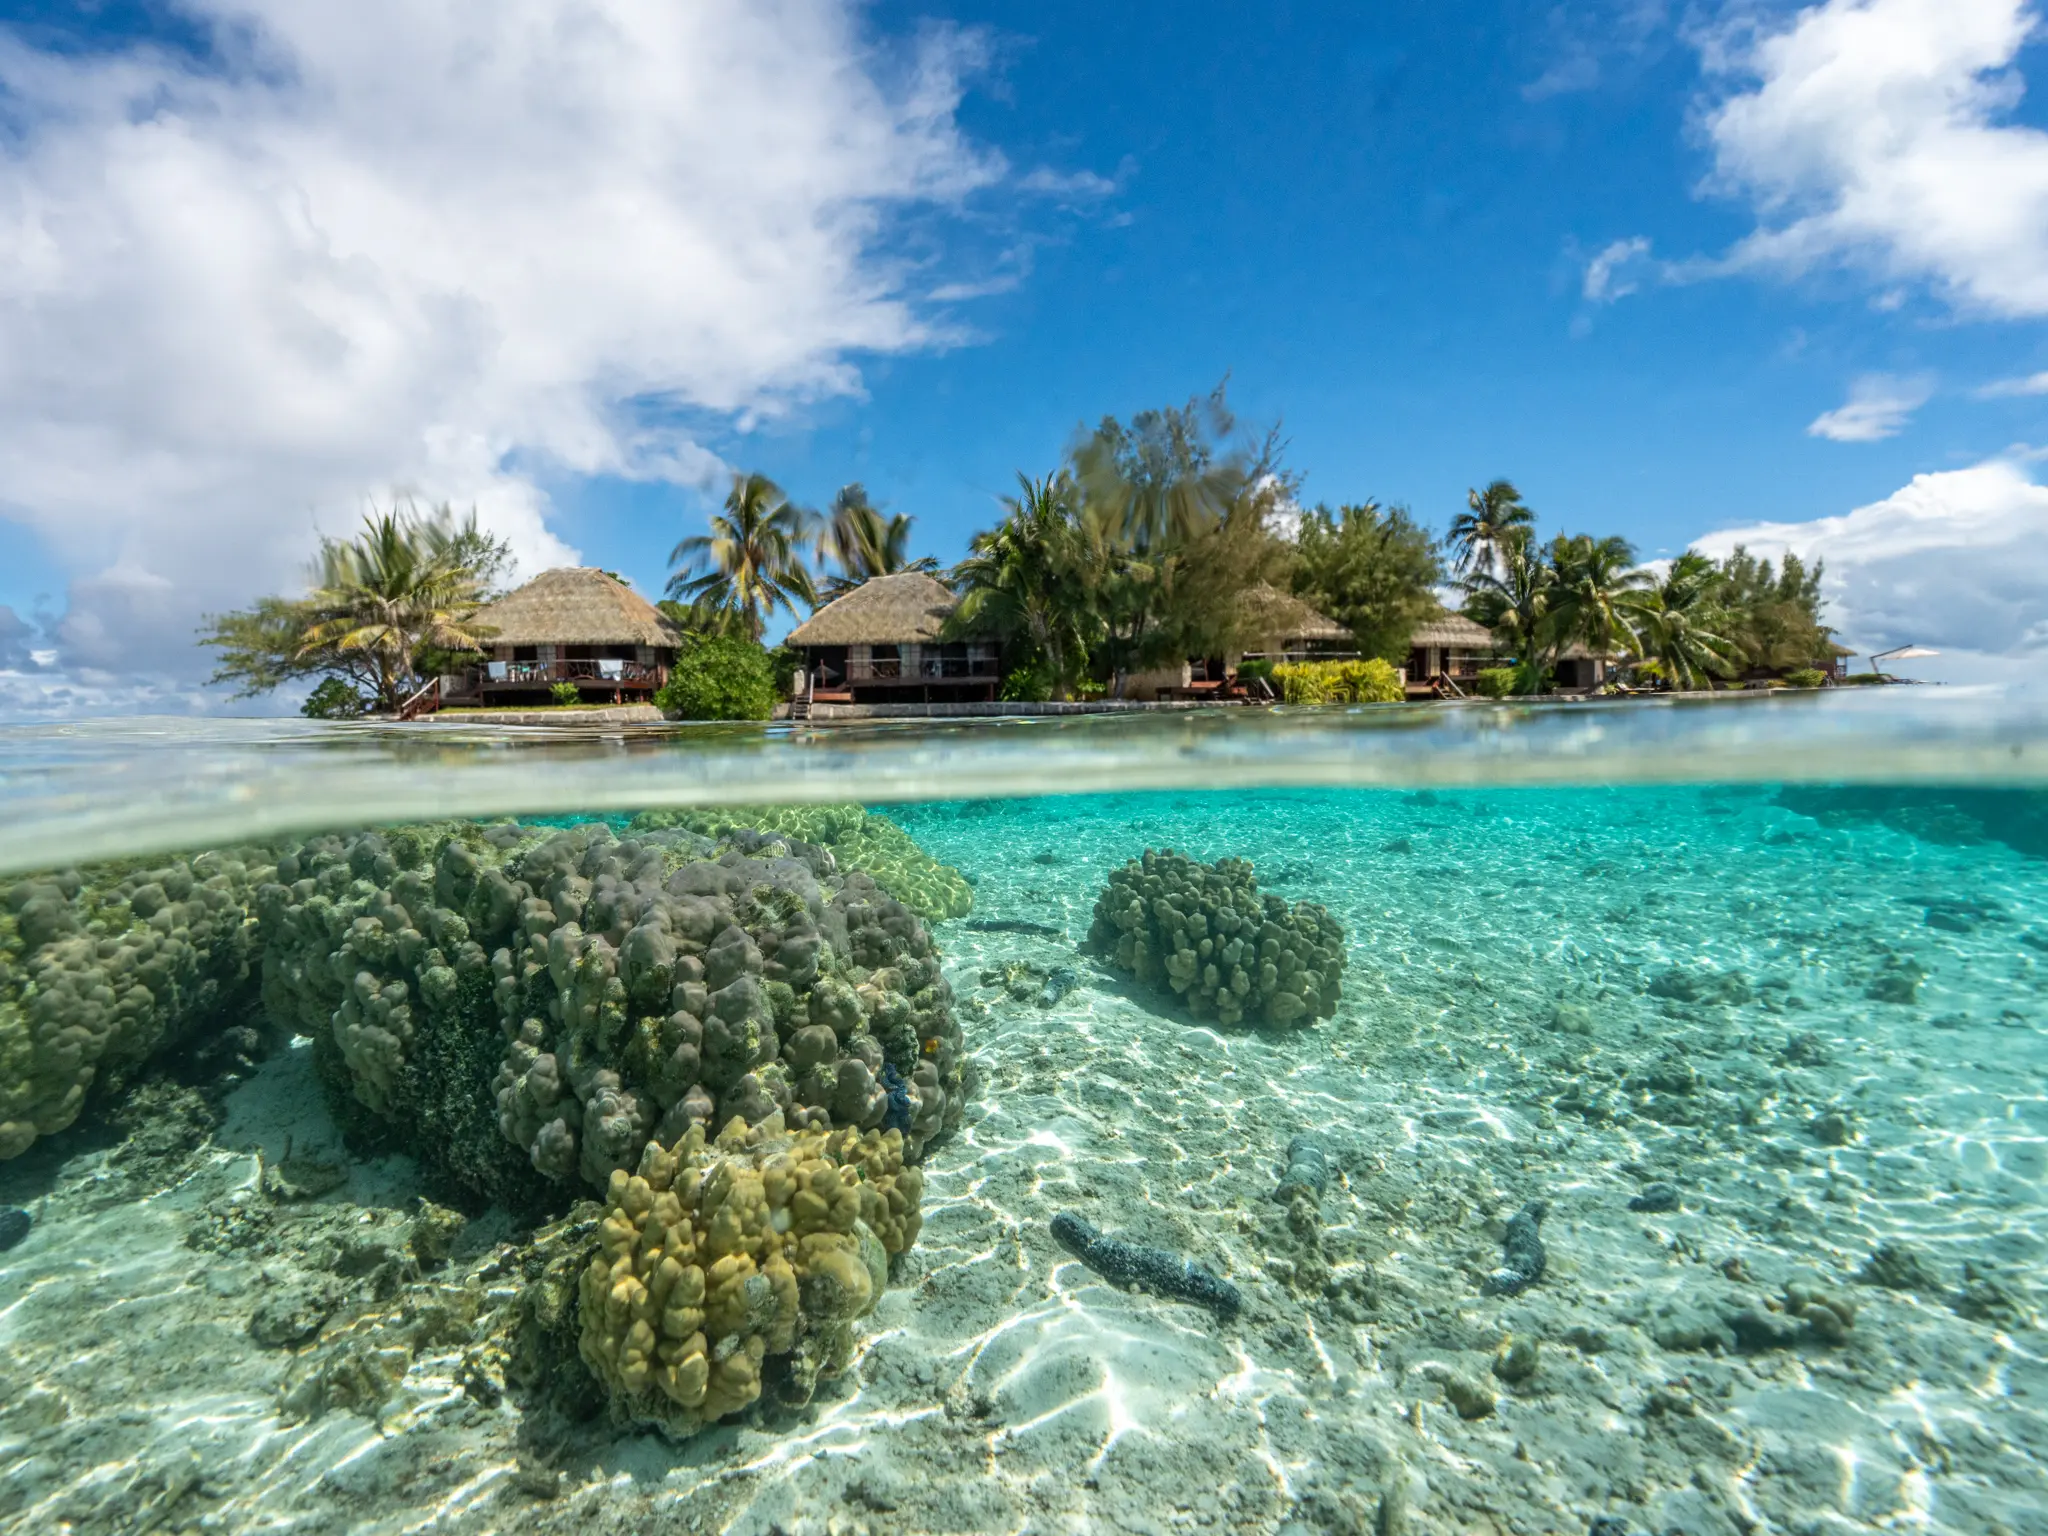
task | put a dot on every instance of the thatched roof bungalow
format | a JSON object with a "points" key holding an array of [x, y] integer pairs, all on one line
{"points": [[885, 642], [1278, 624], [574, 625]]}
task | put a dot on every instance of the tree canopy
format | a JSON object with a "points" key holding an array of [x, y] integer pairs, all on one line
{"points": [[385, 608]]}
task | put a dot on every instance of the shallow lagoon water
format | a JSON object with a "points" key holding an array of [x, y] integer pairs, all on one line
{"points": [[1810, 1012]]}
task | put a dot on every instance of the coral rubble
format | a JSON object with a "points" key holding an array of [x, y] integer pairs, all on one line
{"points": [[1204, 934]]}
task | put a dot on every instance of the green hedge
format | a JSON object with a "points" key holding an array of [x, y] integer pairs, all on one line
{"points": [[1805, 677], [719, 677], [1497, 682], [1339, 682]]}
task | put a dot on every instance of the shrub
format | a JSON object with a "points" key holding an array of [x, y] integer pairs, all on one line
{"points": [[1252, 668], [719, 677], [564, 693], [1372, 681], [1028, 684], [1805, 677], [333, 700], [1496, 682]]}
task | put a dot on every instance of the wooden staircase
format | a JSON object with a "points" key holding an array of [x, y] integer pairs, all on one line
{"points": [[425, 702]]}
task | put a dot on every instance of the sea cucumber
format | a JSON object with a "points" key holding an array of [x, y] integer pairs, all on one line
{"points": [[14, 1225], [1014, 925], [1153, 1269], [1307, 1170], [1061, 980], [1523, 1252]]}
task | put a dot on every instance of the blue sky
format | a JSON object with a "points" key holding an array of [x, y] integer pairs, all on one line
{"points": [[1629, 255]]}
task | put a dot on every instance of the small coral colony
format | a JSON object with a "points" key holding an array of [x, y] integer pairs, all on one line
{"points": [[701, 1055]]}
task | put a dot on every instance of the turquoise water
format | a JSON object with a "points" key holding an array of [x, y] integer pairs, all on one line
{"points": [[305, 1255]]}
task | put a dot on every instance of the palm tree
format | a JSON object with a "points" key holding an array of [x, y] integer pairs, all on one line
{"points": [[1600, 599], [752, 562], [864, 544], [1479, 533], [405, 582], [1511, 596], [1023, 579], [1685, 631]]}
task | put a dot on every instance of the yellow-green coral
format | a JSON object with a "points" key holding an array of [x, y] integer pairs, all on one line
{"points": [[859, 839], [100, 967], [712, 1258]]}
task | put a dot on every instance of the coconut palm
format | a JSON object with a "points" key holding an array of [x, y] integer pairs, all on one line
{"points": [[752, 561], [1686, 632], [858, 539], [403, 584], [1599, 599], [1491, 518], [1512, 595], [1022, 579]]}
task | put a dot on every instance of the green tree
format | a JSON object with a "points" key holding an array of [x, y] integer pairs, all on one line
{"points": [[719, 677], [408, 580], [1176, 523], [1598, 598], [1775, 614], [1512, 596], [1373, 570], [1686, 633], [400, 585], [751, 562], [1481, 532], [863, 544], [1025, 580]]}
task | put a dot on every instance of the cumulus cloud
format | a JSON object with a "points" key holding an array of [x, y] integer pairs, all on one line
{"points": [[1875, 133], [1957, 560], [1878, 407], [433, 249]]}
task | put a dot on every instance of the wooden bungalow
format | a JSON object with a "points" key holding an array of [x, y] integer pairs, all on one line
{"points": [[885, 643], [575, 625], [1446, 655], [1274, 626]]}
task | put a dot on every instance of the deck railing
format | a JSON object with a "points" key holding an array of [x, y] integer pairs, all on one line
{"points": [[894, 669], [526, 674]]}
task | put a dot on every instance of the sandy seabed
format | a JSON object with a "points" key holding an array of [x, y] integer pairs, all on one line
{"points": [[1565, 996]]}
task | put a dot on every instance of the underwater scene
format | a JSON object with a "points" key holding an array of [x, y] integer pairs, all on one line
{"points": [[1590, 1158]]}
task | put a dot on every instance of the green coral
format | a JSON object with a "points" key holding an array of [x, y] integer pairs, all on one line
{"points": [[102, 967], [547, 1002], [1202, 933], [859, 839]]}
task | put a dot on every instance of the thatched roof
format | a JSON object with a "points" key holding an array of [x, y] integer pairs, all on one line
{"points": [[883, 610], [576, 605], [1453, 629], [1273, 614]]}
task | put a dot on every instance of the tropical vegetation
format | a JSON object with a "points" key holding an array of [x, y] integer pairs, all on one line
{"points": [[1368, 681], [719, 677], [752, 561], [386, 610]]}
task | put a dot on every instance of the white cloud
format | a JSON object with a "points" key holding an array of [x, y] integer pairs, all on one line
{"points": [[421, 247], [1615, 272], [2005, 389], [1874, 135], [1957, 561], [1879, 406], [1068, 184]]}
